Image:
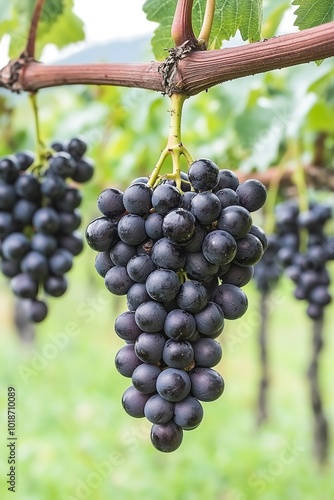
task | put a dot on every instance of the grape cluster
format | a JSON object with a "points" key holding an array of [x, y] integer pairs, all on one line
{"points": [[39, 217], [181, 257], [304, 252]]}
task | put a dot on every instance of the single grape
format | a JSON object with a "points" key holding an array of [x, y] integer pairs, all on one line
{"points": [[101, 234], [165, 197], [137, 198], [173, 384], [117, 280], [149, 347], [134, 401], [158, 410], [166, 437], [188, 413], [206, 207], [126, 327], [145, 376], [232, 300], [163, 285], [252, 194], [235, 220], [178, 353], [179, 324], [206, 384], [210, 321], [110, 202], [219, 247], [207, 352], [126, 360], [192, 296], [131, 229], [203, 174], [150, 316], [179, 226], [136, 295]]}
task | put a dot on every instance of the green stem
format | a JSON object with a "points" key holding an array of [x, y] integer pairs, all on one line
{"points": [[204, 36], [40, 149], [174, 146]]}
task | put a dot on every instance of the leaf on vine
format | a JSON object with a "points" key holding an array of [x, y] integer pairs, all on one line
{"points": [[230, 16], [312, 13], [57, 25]]}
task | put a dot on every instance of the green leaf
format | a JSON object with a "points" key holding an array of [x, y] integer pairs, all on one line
{"points": [[57, 25], [230, 16], [312, 13]]}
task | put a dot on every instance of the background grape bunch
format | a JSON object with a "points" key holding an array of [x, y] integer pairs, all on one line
{"points": [[181, 257], [304, 251], [39, 218]]}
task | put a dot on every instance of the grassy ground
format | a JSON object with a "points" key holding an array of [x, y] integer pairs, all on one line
{"points": [[76, 442]]}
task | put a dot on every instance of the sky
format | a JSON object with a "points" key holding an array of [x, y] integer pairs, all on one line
{"points": [[125, 20]]}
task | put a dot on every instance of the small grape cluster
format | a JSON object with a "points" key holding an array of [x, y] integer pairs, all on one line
{"points": [[304, 252], [180, 256], [39, 217]]}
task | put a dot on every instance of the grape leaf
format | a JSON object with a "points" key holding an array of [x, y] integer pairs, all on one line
{"points": [[230, 16], [57, 24], [312, 13]]}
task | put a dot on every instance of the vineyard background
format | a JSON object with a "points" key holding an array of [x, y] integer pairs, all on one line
{"points": [[75, 441]]}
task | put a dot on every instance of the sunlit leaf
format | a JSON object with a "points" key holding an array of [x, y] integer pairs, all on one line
{"points": [[230, 16]]}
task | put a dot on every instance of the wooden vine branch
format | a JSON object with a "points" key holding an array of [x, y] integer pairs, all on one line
{"points": [[194, 72]]}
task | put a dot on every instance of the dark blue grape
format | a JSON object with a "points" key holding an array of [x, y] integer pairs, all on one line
{"points": [[188, 413], [126, 360], [207, 352], [101, 234], [134, 401], [178, 353], [203, 174], [149, 347], [173, 384], [158, 410], [117, 280], [166, 437], [150, 316], [163, 285], [206, 384], [145, 376], [126, 327]]}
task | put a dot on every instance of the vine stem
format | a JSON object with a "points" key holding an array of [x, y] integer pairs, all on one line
{"points": [[182, 30], [30, 48], [205, 32], [264, 379], [321, 432], [40, 146], [174, 146]]}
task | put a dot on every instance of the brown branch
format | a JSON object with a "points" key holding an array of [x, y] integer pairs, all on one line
{"points": [[30, 48], [182, 30], [194, 73], [319, 177]]}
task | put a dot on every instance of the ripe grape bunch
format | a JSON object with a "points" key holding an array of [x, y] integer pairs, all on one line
{"points": [[304, 251], [181, 257], [39, 218]]}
